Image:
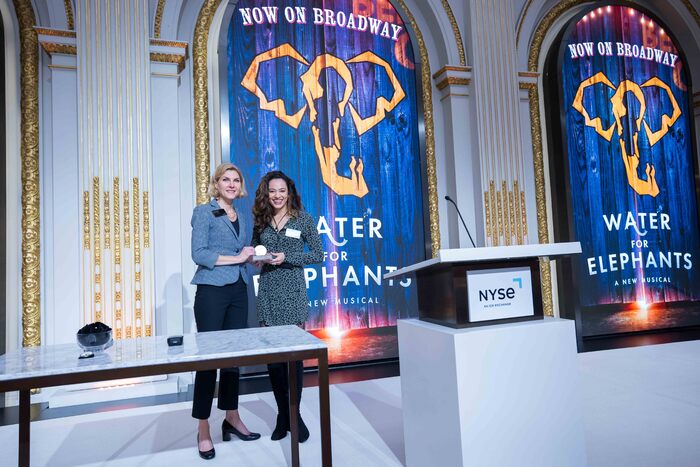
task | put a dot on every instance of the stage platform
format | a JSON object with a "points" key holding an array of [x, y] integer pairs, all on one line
{"points": [[641, 406]]}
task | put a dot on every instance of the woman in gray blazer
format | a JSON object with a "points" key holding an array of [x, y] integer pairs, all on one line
{"points": [[220, 248]]}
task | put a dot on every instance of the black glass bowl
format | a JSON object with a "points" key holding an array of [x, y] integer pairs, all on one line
{"points": [[95, 337]]}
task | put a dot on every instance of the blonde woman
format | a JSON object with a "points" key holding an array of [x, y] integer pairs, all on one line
{"points": [[220, 248]]}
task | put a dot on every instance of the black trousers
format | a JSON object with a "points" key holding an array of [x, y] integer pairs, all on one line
{"points": [[217, 308]]}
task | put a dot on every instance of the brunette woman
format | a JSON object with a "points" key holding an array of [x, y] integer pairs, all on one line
{"points": [[290, 236]]}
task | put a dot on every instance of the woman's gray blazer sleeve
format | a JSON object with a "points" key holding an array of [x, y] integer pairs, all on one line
{"points": [[201, 254]]}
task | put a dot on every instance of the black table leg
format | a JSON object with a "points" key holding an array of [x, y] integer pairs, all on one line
{"points": [[23, 454], [324, 406], [294, 411]]}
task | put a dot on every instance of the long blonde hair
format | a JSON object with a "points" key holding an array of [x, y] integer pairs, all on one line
{"points": [[218, 173]]}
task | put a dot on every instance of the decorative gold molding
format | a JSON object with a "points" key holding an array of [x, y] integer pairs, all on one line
{"points": [[544, 26], [69, 14], [138, 301], [55, 32], [146, 221], [97, 248], [169, 58], [453, 81], [431, 164], [164, 43], [455, 30], [54, 48], [528, 74], [693, 12], [86, 220], [447, 68], [117, 252], [107, 221], [29, 153], [159, 18], [201, 98], [127, 228]]}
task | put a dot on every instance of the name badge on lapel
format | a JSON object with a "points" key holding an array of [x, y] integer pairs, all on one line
{"points": [[293, 233]]}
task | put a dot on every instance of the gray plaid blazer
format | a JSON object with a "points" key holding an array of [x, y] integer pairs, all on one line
{"points": [[213, 236]]}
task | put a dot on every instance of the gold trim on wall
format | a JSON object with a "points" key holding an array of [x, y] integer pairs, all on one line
{"points": [[29, 153], [86, 220], [453, 81], [164, 43], [201, 113], [54, 32], [201, 99], [159, 18], [69, 14], [455, 31], [169, 58], [117, 252], [54, 48], [447, 68], [97, 249]]}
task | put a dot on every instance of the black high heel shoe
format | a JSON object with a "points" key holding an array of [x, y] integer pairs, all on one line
{"points": [[206, 455], [227, 430], [303, 430], [281, 428]]}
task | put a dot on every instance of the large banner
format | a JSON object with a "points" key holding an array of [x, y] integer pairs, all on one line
{"points": [[326, 92], [633, 199]]}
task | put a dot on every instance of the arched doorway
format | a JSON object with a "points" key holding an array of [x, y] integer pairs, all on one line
{"points": [[623, 173]]}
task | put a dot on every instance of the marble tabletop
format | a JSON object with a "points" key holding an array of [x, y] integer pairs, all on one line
{"points": [[49, 360]]}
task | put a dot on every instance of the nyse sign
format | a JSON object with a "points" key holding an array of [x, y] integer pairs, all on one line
{"points": [[499, 294]]}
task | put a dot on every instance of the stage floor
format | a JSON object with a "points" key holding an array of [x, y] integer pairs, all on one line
{"points": [[641, 408]]}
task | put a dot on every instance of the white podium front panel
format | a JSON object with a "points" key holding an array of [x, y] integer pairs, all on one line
{"points": [[501, 395], [499, 294]]}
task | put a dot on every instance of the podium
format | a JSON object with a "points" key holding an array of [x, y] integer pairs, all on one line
{"points": [[486, 379], [479, 286]]}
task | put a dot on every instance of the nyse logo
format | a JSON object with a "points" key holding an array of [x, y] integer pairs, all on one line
{"points": [[500, 293]]}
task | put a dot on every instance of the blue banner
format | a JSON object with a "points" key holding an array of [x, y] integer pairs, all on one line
{"points": [[633, 199], [326, 92]]}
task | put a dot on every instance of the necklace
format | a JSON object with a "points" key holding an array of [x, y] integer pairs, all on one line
{"points": [[230, 211], [278, 222]]}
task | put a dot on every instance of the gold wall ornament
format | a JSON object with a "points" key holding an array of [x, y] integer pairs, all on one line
{"points": [[54, 32], [169, 58], [453, 81], [544, 25], [69, 14], [127, 221], [29, 153], [86, 220], [427, 94], [97, 249], [455, 31], [506, 217], [138, 277], [201, 99], [164, 43], [63, 49], [693, 12], [117, 260], [146, 221], [159, 18], [107, 223]]}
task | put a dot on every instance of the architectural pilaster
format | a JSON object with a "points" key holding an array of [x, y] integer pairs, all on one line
{"points": [[497, 122]]}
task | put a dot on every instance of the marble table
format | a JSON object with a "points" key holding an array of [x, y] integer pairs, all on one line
{"points": [[57, 365]]}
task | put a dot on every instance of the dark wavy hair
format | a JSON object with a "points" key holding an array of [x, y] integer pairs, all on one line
{"points": [[262, 211]]}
